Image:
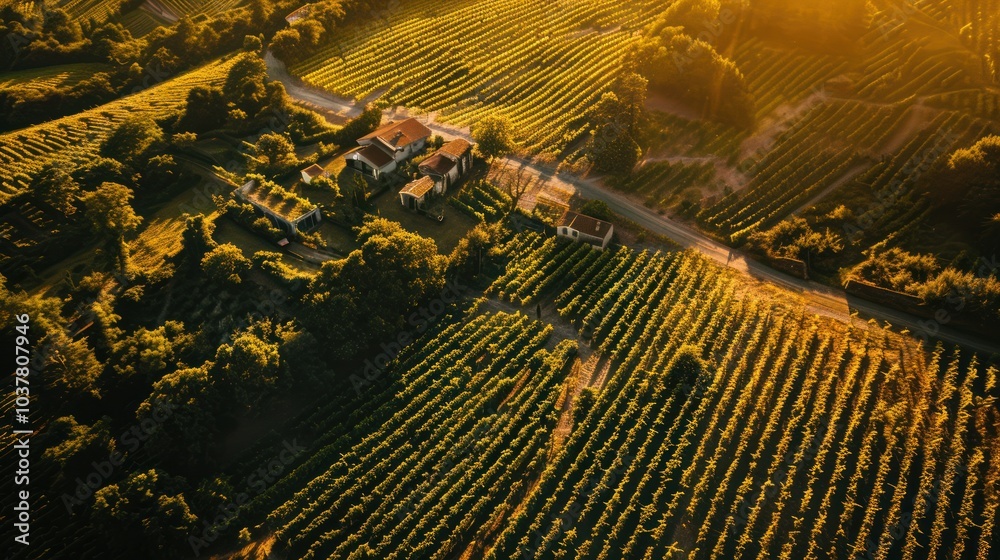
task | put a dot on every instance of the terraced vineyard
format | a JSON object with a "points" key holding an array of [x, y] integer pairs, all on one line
{"points": [[51, 76], [148, 17], [75, 139], [725, 425], [467, 60]]}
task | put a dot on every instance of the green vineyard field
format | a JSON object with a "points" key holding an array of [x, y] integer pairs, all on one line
{"points": [[464, 61], [75, 139], [795, 437]]}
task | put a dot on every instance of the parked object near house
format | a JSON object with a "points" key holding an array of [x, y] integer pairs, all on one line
{"points": [[448, 165], [313, 171], [381, 151], [579, 227], [284, 210]]}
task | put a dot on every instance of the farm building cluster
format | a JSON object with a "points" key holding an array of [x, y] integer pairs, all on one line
{"points": [[381, 153], [384, 150]]}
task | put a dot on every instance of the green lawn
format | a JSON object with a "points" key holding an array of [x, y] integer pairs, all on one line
{"points": [[446, 234]]}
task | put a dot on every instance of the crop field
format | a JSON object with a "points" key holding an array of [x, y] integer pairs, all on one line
{"points": [[75, 139], [144, 19], [52, 76], [789, 437], [473, 58]]}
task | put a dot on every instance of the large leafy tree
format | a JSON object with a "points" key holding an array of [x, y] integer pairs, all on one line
{"points": [[225, 264], [966, 191], [613, 147], [57, 188], [133, 142], [110, 212], [246, 369], [273, 154], [205, 109], [148, 511], [494, 136], [354, 302], [246, 84]]}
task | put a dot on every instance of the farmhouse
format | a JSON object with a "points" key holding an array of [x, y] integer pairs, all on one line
{"points": [[283, 209], [313, 171], [579, 227], [415, 194], [448, 165], [393, 143], [371, 160]]}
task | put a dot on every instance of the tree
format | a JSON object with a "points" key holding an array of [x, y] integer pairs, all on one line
{"points": [[466, 259], [794, 238], [109, 210], [367, 296], [246, 369], [246, 84], [513, 179], [252, 43], [196, 239], [225, 264], [613, 147], [273, 154], [54, 186], [494, 137], [966, 192], [326, 184], [205, 110], [286, 45], [71, 366], [75, 446], [183, 406], [692, 71], [147, 510], [133, 141], [687, 369], [150, 353]]}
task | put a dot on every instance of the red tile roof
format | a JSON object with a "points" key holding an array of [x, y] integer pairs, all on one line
{"points": [[418, 188], [457, 147], [585, 224], [399, 134], [437, 164], [375, 155]]}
